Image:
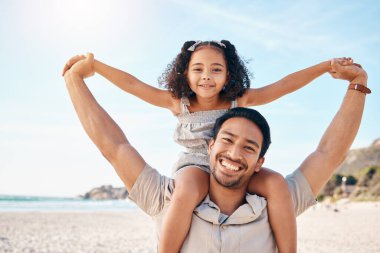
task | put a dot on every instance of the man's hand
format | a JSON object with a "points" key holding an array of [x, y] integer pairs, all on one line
{"points": [[338, 137], [83, 65], [100, 127], [344, 69]]}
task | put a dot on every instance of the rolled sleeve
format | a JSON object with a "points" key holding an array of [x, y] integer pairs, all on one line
{"points": [[301, 192], [149, 191]]}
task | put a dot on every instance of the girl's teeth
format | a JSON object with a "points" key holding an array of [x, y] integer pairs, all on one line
{"points": [[230, 166]]}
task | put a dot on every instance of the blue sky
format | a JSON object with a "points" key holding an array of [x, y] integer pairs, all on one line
{"points": [[45, 151]]}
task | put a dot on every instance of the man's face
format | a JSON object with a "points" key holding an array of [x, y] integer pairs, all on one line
{"points": [[234, 154]]}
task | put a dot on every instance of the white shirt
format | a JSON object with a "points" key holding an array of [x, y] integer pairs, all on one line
{"points": [[246, 230]]}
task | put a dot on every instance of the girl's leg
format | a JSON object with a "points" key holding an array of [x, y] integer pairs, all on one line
{"points": [[274, 188], [191, 186]]}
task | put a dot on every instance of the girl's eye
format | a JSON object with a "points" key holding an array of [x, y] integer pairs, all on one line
{"points": [[217, 70], [197, 70]]}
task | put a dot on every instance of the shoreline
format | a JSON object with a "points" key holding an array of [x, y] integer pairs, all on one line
{"points": [[346, 227]]}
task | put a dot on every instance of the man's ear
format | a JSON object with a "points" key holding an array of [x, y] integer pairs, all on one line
{"points": [[259, 164], [210, 145]]}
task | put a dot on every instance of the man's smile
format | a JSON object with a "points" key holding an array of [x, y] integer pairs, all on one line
{"points": [[231, 165]]}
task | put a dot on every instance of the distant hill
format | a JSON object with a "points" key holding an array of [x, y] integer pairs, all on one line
{"points": [[361, 158], [106, 192], [358, 177]]}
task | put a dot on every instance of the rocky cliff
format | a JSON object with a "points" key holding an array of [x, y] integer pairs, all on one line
{"points": [[106, 192], [358, 159], [358, 177]]}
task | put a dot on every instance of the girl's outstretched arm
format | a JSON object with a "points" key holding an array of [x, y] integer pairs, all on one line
{"points": [[288, 84], [132, 85]]}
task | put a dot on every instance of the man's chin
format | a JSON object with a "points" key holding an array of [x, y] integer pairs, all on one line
{"points": [[225, 180]]}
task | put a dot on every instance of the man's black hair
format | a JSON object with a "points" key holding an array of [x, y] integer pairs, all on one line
{"points": [[251, 115]]}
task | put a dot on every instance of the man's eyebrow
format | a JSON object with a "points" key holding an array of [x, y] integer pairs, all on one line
{"points": [[234, 135]]}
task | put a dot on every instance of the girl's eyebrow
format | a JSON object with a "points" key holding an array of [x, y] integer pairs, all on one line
{"points": [[201, 64], [217, 64]]}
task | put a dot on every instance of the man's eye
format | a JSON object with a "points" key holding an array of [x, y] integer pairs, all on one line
{"points": [[227, 140], [250, 149]]}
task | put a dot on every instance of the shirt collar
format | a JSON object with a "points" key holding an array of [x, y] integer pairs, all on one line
{"points": [[245, 213]]}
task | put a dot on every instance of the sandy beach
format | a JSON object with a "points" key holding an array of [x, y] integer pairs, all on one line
{"points": [[354, 227]]}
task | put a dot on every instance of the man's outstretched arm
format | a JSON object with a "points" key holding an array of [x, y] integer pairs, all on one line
{"points": [[337, 139], [100, 127]]}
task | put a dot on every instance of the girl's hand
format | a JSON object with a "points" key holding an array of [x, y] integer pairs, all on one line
{"points": [[83, 65], [344, 69]]}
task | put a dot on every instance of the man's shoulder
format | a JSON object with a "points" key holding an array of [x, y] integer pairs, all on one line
{"points": [[151, 190], [300, 190]]}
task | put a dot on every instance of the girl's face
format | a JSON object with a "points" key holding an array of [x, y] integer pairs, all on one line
{"points": [[207, 72]]}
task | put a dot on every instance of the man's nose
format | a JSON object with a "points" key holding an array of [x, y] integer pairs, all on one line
{"points": [[234, 152]]}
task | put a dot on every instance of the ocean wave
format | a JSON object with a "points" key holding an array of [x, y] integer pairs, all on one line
{"points": [[33, 203]]}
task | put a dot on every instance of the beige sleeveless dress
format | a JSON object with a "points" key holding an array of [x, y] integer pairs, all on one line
{"points": [[194, 131]]}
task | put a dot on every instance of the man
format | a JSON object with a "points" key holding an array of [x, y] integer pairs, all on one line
{"points": [[228, 219]]}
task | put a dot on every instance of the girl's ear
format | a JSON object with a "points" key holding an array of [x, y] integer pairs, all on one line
{"points": [[185, 76]]}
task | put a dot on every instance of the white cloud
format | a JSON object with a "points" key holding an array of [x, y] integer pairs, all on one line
{"points": [[278, 30]]}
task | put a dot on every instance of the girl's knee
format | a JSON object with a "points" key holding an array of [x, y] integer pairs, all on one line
{"points": [[277, 181], [277, 185], [267, 183], [191, 185]]}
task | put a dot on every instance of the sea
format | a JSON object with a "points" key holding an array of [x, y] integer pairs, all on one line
{"points": [[9, 203]]}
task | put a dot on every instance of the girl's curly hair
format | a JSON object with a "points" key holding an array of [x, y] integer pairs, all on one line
{"points": [[175, 80]]}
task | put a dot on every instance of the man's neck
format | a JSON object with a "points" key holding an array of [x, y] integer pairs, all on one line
{"points": [[227, 199]]}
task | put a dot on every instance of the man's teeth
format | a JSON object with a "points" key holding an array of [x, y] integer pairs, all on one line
{"points": [[230, 166]]}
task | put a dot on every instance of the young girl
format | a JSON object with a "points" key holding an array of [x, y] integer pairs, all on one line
{"points": [[204, 81]]}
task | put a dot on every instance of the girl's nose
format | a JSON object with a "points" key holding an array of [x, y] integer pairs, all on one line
{"points": [[205, 75]]}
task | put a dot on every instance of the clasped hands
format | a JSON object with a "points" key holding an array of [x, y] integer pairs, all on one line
{"points": [[346, 69], [82, 65]]}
